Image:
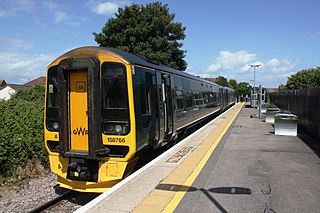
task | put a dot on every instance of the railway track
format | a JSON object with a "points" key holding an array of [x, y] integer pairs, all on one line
{"points": [[52, 202]]}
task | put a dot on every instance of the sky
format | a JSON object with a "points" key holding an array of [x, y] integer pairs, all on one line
{"points": [[222, 37]]}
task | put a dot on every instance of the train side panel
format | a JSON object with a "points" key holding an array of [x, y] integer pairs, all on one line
{"points": [[104, 107]]}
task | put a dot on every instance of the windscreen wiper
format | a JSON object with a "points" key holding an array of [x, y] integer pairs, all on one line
{"points": [[113, 80]]}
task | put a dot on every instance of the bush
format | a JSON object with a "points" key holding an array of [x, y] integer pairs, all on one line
{"points": [[271, 105], [21, 132]]}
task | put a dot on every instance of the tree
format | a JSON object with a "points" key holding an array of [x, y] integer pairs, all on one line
{"points": [[243, 89], [147, 30], [233, 83], [282, 88], [222, 81], [304, 79]]}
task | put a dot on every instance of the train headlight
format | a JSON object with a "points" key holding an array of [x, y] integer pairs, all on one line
{"points": [[53, 146], [55, 125], [110, 128], [118, 128]]}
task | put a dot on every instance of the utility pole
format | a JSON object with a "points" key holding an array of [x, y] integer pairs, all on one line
{"points": [[254, 82]]}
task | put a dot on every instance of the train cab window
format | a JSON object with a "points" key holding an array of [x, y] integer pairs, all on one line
{"points": [[114, 87], [145, 101], [189, 99], [52, 100], [52, 87], [115, 105], [179, 99]]}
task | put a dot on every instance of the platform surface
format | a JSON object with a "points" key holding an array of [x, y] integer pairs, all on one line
{"points": [[233, 164]]}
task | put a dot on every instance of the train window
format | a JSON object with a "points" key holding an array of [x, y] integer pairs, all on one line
{"points": [[198, 98], [114, 86], [212, 97], [52, 100], [189, 99], [179, 99], [52, 88], [113, 69], [205, 96], [145, 101], [115, 93]]}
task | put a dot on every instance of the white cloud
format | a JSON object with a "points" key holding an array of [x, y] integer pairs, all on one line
{"points": [[13, 7], [3, 13], [21, 68], [15, 43], [52, 5], [189, 68], [235, 65], [63, 17], [34, 9], [314, 35], [284, 67], [247, 67], [106, 7], [230, 60], [273, 62], [272, 73]]}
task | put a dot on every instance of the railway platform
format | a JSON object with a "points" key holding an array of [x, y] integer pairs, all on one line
{"points": [[235, 163]]}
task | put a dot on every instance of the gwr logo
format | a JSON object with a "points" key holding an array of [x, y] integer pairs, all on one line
{"points": [[80, 131]]}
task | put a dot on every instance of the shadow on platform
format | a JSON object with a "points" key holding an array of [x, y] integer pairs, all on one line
{"points": [[311, 143], [218, 190]]}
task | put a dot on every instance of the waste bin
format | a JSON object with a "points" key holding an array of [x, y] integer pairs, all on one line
{"points": [[285, 124], [270, 113], [263, 108]]}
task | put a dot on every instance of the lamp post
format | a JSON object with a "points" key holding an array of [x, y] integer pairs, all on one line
{"points": [[254, 81]]}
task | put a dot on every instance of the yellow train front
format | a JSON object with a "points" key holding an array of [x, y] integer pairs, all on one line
{"points": [[105, 107], [89, 134]]}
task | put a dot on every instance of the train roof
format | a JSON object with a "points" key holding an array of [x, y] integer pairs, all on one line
{"points": [[141, 60], [137, 59]]}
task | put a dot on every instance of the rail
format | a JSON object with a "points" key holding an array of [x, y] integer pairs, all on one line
{"points": [[51, 202]]}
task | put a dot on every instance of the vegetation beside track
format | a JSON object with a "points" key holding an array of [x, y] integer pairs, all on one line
{"points": [[22, 151]]}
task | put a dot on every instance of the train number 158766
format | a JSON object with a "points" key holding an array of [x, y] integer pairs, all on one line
{"points": [[116, 140]]}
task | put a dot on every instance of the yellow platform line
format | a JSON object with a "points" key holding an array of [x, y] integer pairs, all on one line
{"points": [[181, 179]]}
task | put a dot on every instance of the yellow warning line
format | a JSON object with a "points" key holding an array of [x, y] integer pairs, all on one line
{"points": [[181, 179], [188, 183]]}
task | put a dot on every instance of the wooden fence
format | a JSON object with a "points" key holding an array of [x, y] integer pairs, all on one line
{"points": [[305, 104]]}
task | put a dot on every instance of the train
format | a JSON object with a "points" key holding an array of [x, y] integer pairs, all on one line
{"points": [[105, 107]]}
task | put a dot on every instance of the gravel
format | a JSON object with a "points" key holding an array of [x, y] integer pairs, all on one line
{"points": [[38, 191]]}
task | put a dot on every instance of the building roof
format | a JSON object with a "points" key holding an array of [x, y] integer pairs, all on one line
{"points": [[270, 90], [2, 83], [16, 87], [41, 81]]}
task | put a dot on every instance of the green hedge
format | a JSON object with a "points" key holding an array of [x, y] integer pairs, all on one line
{"points": [[21, 133]]}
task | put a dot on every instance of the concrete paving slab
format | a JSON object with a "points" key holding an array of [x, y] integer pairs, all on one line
{"points": [[250, 170], [256, 171]]}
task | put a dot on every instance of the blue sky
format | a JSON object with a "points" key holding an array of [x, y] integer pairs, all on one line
{"points": [[222, 37]]}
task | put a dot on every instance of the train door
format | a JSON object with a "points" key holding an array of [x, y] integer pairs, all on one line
{"points": [[222, 100], [167, 104], [78, 108], [79, 116]]}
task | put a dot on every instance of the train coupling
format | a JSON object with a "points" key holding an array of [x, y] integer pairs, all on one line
{"points": [[83, 169]]}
